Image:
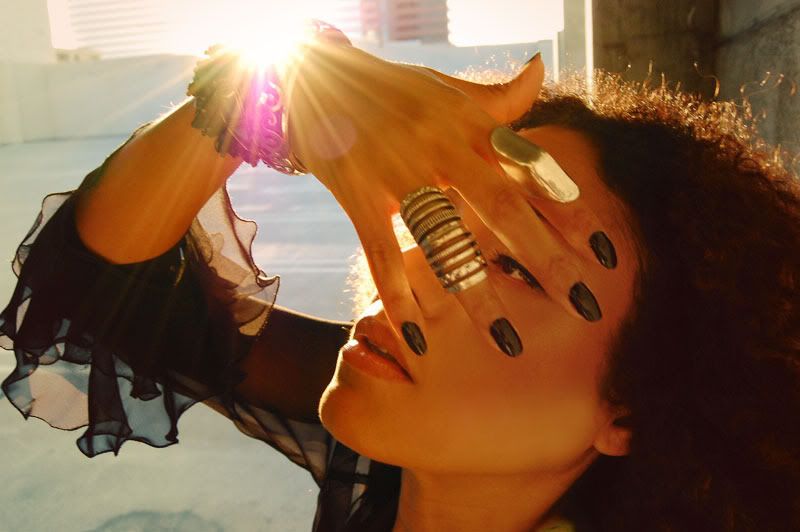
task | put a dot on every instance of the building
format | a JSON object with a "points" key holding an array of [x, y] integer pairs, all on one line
{"points": [[124, 28], [120, 28], [404, 20], [423, 20], [26, 36]]}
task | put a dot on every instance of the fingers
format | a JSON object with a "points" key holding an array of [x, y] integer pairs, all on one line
{"points": [[490, 316], [506, 212], [504, 102], [383, 256], [532, 166], [580, 227], [449, 248], [549, 189]]}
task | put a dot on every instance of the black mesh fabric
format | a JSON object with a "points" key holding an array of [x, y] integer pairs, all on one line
{"points": [[123, 350], [144, 340]]}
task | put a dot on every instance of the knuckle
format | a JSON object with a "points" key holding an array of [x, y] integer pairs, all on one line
{"points": [[503, 198], [483, 302], [561, 267], [582, 223], [379, 252], [391, 299]]}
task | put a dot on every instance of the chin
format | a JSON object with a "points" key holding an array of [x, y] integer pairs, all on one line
{"points": [[343, 413], [356, 423]]}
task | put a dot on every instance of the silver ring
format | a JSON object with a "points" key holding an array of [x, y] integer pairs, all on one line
{"points": [[449, 248]]}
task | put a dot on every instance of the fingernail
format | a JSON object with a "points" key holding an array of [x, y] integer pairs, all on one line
{"points": [[414, 338], [536, 56], [603, 249], [536, 163], [584, 302], [506, 337]]}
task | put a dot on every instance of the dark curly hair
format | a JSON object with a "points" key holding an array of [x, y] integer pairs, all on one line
{"points": [[708, 363]]}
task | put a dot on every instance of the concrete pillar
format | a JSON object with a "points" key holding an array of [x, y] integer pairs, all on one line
{"points": [[758, 57], [572, 41], [25, 32], [629, 34]]}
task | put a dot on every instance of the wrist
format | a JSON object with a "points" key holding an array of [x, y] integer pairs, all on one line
{"points": [[246, 107], [302, 66]]}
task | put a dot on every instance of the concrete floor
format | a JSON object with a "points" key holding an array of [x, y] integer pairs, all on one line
{"points": [[216, 478]]}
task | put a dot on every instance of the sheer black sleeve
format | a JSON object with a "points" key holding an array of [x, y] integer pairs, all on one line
{"points": [[125, 349]]}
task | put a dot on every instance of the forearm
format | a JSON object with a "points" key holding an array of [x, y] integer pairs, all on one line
{"points": [[151, 190]]}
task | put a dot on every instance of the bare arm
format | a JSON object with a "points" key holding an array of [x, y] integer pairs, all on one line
{"points": [[143, 203], [151, 190]]}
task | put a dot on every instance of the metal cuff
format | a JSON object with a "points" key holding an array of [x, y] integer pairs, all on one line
{"points": [[245, 108], [449, 248]]}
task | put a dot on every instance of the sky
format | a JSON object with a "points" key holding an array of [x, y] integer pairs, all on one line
{"points": [[472, 22]]}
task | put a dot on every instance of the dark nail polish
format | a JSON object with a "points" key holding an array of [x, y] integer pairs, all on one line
{"points": [[584, 302], [534, 57], [604, 249], [506, 337], [414, 337]]}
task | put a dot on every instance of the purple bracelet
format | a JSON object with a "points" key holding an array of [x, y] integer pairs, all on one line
{"points": [[246, 113]]}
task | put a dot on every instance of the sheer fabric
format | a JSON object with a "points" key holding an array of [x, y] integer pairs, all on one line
{"points": [[124, 350]]}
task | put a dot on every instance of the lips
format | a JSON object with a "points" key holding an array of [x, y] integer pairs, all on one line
{"points": [[381, 336]]}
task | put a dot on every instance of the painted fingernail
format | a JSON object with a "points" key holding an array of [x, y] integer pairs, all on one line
{"points": [[414, 338], [523, 160], [506, 337], [532, 59], [603, 249], [584, 302]]}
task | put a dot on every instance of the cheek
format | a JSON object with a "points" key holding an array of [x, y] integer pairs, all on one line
{"points": [[488, 414], [476, 410], [514, 422]]}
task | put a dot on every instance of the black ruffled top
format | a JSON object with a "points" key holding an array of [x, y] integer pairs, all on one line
{"points": [[123, 350]]}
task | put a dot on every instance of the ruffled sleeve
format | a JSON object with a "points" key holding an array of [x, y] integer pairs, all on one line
{"points": [[125, 349]]}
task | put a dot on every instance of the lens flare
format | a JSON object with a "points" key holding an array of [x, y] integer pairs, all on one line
{"points": [[270, 47], [265, 32]]}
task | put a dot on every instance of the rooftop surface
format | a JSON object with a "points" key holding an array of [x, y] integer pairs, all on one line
{"points": [[215, 478]]}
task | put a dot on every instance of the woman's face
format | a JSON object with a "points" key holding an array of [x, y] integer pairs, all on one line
{"points": [[471, 408]]}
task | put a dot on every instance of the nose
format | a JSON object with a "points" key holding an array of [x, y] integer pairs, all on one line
{"points": [[431, 296]]}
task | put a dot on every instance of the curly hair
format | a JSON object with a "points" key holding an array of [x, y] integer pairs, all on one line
{"points": [[708, 363]]}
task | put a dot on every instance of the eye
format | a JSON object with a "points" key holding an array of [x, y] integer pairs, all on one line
{"points": [[516, 270]]}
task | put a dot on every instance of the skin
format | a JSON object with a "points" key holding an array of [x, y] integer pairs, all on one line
{"points": [[354, 120], [487, 441]]}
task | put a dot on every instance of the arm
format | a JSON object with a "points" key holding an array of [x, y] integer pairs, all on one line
{"points": [[169, 163], [75, 314], [292, 362], [149, 191]]}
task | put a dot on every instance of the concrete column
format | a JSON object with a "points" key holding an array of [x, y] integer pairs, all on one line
{"points": [[629, 34], [572, 41], [25, 32], [758, 57]]}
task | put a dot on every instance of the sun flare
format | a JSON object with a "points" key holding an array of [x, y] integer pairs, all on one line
{"points": [[264, 31]]}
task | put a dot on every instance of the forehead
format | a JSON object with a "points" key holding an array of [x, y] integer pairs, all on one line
{"points": [[579, 158]]}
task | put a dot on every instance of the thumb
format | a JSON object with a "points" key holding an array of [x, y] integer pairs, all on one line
{"points": [[505, 102]]}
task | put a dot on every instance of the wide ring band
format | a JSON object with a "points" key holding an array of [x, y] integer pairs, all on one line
{"points": [[449, 247]]}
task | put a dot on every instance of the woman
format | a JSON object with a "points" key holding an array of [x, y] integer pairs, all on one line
{"points": [[670, 405]]}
